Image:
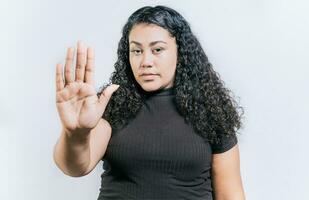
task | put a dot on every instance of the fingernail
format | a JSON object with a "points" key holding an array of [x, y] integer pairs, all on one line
{"points": [[79, 43]]}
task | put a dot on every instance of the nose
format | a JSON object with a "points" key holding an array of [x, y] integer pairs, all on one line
{"points": [[147, 60]]}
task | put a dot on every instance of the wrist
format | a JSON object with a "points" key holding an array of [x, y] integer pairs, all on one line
{"points": [[78, 135]]}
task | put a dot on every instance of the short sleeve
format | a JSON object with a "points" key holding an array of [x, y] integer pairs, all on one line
{"points": [[225, 143]]}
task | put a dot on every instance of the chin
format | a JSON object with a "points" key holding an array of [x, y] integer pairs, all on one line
{"points": [[149, 87]]}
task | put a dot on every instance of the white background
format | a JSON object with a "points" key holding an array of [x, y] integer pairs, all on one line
{"points": [[259, 47]]}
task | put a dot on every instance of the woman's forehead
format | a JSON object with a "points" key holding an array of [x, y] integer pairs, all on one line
{"points": [[149, 34]]}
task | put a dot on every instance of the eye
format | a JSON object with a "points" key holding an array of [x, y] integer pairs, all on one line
{"points": [[136, 51], [158, 50]]}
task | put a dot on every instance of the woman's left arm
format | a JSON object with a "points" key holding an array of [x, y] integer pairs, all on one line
{"points": [[226, 175]]}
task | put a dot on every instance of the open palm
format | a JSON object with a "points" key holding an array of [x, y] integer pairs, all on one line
{"points": [[77, 103]]}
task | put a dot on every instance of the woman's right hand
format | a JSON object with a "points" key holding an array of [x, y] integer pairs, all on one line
{"points": [[77, 102]]}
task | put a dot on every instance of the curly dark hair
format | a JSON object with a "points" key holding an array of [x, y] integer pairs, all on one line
{"points": [[200, 95]]}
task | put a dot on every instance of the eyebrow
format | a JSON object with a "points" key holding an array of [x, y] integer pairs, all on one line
{"points": [[151, 43]]}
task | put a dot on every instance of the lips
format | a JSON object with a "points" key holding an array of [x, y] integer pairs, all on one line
{"points": [[148, 74]]}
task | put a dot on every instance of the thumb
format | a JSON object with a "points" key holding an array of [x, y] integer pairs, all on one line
{"points": [[106, 94]]}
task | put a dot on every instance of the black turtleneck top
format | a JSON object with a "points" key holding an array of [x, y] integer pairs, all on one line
{"points": [[159, 156]]}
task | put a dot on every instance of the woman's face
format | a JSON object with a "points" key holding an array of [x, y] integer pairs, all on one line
{"points": [[152, 51]]}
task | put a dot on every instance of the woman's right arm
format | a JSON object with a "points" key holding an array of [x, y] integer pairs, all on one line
{"points": [[85, 134], [78, 156]]}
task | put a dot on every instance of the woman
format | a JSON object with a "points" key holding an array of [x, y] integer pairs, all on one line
{"points": [[166, 127]]}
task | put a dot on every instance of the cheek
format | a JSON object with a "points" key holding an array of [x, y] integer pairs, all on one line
{"points": [[133, 65], [168, 73], [170, 64]]}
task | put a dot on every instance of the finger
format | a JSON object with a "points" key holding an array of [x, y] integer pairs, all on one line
{"points": [[106, 95], [68, 65], [89, 74], [80, 62], [59, 79]]}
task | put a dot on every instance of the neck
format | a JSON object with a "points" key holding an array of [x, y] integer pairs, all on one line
{"points": [[160, 92]]}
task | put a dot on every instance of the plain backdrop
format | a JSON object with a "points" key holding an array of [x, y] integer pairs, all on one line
{"points": [[259, 47]]}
